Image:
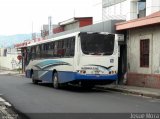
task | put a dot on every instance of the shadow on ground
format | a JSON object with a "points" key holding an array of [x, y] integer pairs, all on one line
{"points": [[72, 88]]}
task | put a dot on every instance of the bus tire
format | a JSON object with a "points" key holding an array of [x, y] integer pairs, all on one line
{"points": [[55, 81], [34, 81]]}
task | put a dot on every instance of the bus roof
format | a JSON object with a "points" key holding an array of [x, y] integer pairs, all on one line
{"points": [[53, 39], [41, 41]]}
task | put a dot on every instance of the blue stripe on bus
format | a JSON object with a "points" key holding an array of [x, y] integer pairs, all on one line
{"points": [[63, 77], [96, 77], [66, 76], [47, 76], [72, 76]]}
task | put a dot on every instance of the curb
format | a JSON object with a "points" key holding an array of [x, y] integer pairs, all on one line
{"points": [[14, 74], [17, 74], [5, 102], [8, 111], [131, 92]]}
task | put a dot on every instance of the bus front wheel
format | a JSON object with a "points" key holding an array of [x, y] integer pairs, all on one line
{"points": [[34, 81], [55, 81]]}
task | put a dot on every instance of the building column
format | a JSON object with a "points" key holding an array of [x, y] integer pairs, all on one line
{"points": [[132, 13]]}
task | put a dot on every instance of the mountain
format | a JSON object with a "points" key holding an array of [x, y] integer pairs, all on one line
{"points": [[9, 41]]}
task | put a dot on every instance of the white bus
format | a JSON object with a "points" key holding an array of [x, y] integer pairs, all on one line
{"points": [[83, 58]]}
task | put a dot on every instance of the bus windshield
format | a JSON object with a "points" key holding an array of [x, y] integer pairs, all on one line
{"points": [[97, 44]]}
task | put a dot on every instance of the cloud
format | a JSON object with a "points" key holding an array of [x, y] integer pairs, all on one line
{"points": [[17, 16]]}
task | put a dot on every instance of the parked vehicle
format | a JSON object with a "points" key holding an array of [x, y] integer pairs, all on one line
{"points": [[84, 58]]}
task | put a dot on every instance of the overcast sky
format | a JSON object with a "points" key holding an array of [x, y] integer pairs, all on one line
{"points": [[17, 16]]}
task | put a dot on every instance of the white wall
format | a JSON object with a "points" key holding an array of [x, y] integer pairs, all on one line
{"points": [[117, 11], [152, 6], [127, 10], [132, 9], [9, 62], [1, 51], [133, 50]]}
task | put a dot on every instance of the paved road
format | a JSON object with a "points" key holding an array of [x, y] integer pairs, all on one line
{"points": [[29, 98]]}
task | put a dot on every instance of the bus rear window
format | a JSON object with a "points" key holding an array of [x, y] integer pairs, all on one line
{"points": [[97, 44]]}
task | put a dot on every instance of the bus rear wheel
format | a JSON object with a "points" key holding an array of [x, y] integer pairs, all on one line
{"points": [[55, 81]]}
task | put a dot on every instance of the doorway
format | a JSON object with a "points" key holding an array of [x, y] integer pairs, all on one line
{"points": [[122, 63]]}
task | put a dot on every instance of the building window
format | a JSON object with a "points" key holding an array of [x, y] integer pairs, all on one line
{"points": [[144, 53], [141, 8]]}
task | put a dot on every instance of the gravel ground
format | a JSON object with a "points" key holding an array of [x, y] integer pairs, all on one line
{"points": [[7, 111]]}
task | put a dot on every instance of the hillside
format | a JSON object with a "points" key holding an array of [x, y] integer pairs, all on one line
{"points": [[9, 41]]}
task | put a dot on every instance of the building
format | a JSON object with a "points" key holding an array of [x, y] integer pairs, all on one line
{"points": [[45, 30], [139, 50], [99, 27], [8, 58], [128, 9], [75, 22], [66, 25], [143, 50]]}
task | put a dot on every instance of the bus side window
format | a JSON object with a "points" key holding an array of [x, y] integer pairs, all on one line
{"points": [[38, 51], [66, 48], [60, 51], [44, 51], [72, 47], [50, 49], [29, 55], [69, 47], [55, 49], [60, 48], [33, 52]]}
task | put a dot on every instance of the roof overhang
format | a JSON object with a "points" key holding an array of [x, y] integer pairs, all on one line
{"points": [[149, 20]]}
